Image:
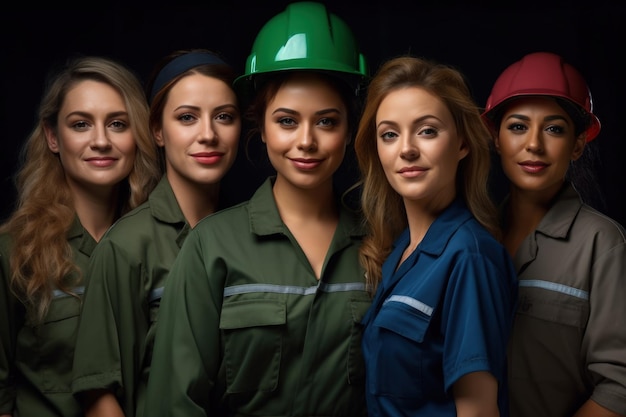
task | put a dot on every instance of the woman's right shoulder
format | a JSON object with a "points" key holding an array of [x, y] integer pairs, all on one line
{"points": [[5, 243], [134, 222], [593, 222], [233, 219]]}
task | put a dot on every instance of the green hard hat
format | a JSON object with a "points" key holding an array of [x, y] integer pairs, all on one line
{"points": [[305, 36]]}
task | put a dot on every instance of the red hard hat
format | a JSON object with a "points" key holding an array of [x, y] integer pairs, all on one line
{"points": [[543, 74]]}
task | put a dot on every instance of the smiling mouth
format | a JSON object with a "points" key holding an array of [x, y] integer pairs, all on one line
{"points": [[411, 172], [533, 167], [101, 162], [208, 158], [306, 164]]}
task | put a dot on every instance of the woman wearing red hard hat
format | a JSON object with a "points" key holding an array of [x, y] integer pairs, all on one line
{"points": [[567, 353]]}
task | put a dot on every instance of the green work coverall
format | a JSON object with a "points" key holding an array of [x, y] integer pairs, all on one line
{"points": [[36, 358], [127, 274], [246, 329]]}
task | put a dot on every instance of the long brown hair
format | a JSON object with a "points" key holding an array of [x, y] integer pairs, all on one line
{"points": [[383, 208], [41, 258]]}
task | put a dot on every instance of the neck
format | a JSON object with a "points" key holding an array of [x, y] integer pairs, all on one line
{"points": [[305, 204], [196, 201], [527, 208], [523, 214], [422, 213], [96, 210]]}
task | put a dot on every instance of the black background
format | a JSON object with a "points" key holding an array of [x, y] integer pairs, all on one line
{"points": [[480, 38]]}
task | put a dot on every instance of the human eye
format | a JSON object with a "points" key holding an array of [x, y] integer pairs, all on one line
{"points": [[118, 125], [80, 125], [516, 127], [555, 129], [327, 122], [286, 121], [428, 131], [186, 118], [225, 117], [388, 136]]}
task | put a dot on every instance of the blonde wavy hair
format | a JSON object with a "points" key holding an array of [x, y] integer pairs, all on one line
{"points": [[383, 208], [41, 258]]}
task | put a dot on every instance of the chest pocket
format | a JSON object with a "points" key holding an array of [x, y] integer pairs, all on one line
{"points": [[46, 351], [555, 303], [548, 311], [401, 361], [253, 339]]}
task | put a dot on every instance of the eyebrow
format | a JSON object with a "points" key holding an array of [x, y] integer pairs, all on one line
{"points": [[545, 119], [414, 122], [89, 115], [319, 112], [222, 107]]}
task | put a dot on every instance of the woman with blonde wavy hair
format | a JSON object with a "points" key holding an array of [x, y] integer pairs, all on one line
{"points": [[436, 333], [88, 160]]}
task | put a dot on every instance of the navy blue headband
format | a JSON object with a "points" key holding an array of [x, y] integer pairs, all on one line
{"points": [[182, 64]]}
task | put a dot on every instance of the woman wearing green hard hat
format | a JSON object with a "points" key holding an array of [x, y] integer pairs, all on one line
{"points": [[263, 309]]}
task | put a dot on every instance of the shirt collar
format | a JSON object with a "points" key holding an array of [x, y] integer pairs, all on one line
{"points": [[441, 230], [265, 219], [86, 242], [163, 203], [559, 219]]}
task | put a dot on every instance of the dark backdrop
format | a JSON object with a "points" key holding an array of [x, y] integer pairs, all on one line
{"points": [[480, 38]]}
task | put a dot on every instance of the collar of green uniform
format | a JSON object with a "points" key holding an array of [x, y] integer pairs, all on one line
{"points": [[163, 203], [265, 219]]}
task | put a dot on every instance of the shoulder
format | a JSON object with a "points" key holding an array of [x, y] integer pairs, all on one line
{"points": [[229, 220], [474, 237], [472, 243], [132, 223], [597, 234], [132, 233], [5, 243], [5, 250], [597, 223]]}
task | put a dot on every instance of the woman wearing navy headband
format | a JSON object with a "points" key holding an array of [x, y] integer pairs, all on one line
{"points": [[195, 120]]}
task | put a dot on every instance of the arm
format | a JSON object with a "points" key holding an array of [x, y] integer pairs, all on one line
{"points": [[101, 403], [111, 326], [8, 329], [476, 394], [186, 348], [480, 302], [592, 409], [604, 341]]}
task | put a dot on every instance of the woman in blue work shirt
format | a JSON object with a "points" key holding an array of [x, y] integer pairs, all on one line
{"points": [[436, 334]]}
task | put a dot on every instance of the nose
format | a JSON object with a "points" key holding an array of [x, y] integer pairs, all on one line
{"points": [[534, 140], [207, 133], [409, 150], [306, 139], [100, 138]]}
